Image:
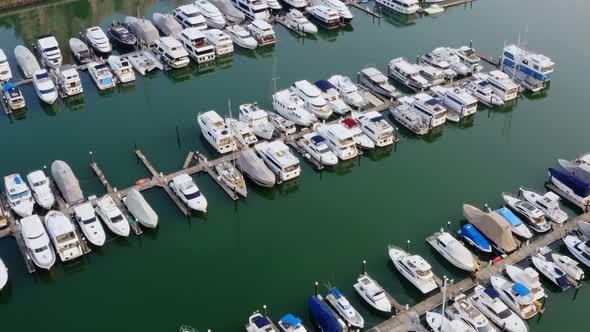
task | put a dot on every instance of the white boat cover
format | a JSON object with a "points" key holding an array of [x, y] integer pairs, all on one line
{"points": [[143, 29], [492, 225], [140, 209], [67, 182], [229, 10], [26, 61], [584, 228], [77, 46], [255, 168], [167, 24]]}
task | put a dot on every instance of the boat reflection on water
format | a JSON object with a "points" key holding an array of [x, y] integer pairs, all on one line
{"points": [[395, 18], [20, 114], [539, 94], [181, 74], [105, 93], [288, 187], [52, 109], [380, 153], [434, 134], [74, 103], [224, 61], [257, 53], [203, 69], [466, 122], [344, 166]]}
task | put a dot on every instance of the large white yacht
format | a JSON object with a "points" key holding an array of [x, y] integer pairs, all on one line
{"points": [[253, 9], [407, 74], [339, 139], [212, 15], [332, 97], [296, 20], [91, 227], [550, 270], [197, 46], [112, 216], [5, 72], [429, 108], [433, 75], [297, 4], [44, 87], [186, 189], [18, 195], [232, 14], [469, 57], [516, 296], [450, 56], [101, 75], [456, 100], [348, 90], [257, 119], [241, 131], [409, 117], [68, 80], [414, 268], [312, 99], [63, 235], [290, 106], [241, 37], [48, 50], [171, 52], [13, 96], [262, 32], [283, 125], [122, 68], [532, 70], [528, 212], [339, 6], [189, 16], [407, 7], [579, 247], [343, 307], [315, 145], [358, 136], [488, 301], [372, 293], [324, 16], [529, 278], [39, 184], [464, 310], [216, 132], [279, 158], [453, 251], [374, 125], [482, 90], [37, 242], [439, 62], [502, 85], [376, 81], [220, 40], [98, 40], [548, 203]]}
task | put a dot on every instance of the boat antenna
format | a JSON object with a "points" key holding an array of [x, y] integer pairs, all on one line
{"points": [[231, 133]]}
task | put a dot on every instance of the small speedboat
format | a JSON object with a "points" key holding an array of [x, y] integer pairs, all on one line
{"points": [[488, 301], [39, 184], [122, 68], [358, 136], [414, 268], [80, 50], [344, 308], [551, 271], [453, 251], [316, 146], [63, 235], [472, 236], [232, 178], [527, 277], [579, 248], [529, 212], [568, 265], [325, 318], [13, 96], [37, 242], [3, 274], [372, 293], [518, 227], [186, 189], [259, 323], [145, 62], [291, 323], [44, 87], [440, 323], [547, 203], [463, 309], [516, 296], [140, 209], [241, 37], [121, 36], [285, 126], [89, 224], [112, 216]]}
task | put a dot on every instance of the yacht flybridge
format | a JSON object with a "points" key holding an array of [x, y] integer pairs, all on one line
{"points": [[430, 109], [216, 132], [253, 9], [312, 99], [197, 45], [453, 251], [101, 75], [348, 90], [407, 74], [97, 39], [449, 55], [189, 16], [241, 131], [39, 184], [122, 68], [374, 125], [186, 189], [501, 84], [532, 70], [13, 96], [296, 20], [48, 50], [279, 158], [324, 16], [220, 40], [482, 90], [68, 81], [414, 268], [171, 52], [18, 195], [290, 106], [456, 100], [262, 32], [358, 136], [339, 139], [470, 58], [37, 241], [332, 97], [377, 82], [110, 214], [257, 119], [315, 145], [260, 323], [407, 116], [63, 235]]}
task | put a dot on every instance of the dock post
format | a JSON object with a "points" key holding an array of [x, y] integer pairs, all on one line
{"points": [[471, 43], [315, 288], [364, 267], [408, 246], [177, 137], [265, 310], [91, 158], [543, 303], [448, 226], [417, 58]]}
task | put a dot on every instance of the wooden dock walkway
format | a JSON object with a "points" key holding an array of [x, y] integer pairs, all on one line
{"points": [[402, 319]]}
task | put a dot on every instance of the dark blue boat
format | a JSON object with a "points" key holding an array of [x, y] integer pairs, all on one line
{"points": [[324, 316], [580, 187], [475, 238], [324, 85]]}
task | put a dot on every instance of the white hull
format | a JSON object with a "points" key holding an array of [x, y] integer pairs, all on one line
{"points": [[3, 274], [576, 246], [425, 286], [569, 266]]}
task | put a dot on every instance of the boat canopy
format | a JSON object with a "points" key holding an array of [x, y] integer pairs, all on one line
{"points": [[262, 321], [8, 86], [509, 216], [432, 102], [336, 292], [492, 225], [472, 233], [324, 85], [67, 182], [349, 122], [291, 320], [521, 289], [492, 292], [377, 118], [575, 183], [318, 139]]}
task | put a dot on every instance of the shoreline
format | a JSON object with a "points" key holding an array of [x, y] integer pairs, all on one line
{"points": [[13, 4]]}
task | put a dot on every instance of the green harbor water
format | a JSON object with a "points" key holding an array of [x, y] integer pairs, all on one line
{"points": [[213, 270]]}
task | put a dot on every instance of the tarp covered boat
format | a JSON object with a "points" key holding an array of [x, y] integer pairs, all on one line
{"points": [[66, 182], [140, 209], [324, 316], [26, 61], [493, 226], [143, 29], [255, 168], [578, 185]]}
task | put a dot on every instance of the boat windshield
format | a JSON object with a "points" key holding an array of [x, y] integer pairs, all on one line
{"points": [[423, 273], [41, 249], [117, 218], [504, 313], [65, 237], [193, 195], [20, 195], [50, 49], [39, 183], [46, 91], [89, 221], [42, 75]]}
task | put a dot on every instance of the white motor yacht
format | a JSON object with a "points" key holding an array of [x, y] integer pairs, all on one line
{"points": [[470, 58], [430, 109], [433, 75], [215, 131], [297, 4], [516, 296], [414, 268], [98, 40], [463, 309], [44, 87], [37, 242], [262, 32], [212, 15], [377, 82], [440, 323], [144, 62], [348, 90], [168, 24], [532, 70], [579, 247], [220, 40], [339, 139], [279, 158], [241, 37], [408, 7], [502, 85], [290, 106], [372, 293], [80, 50], [332, 97], [273, 5], [260, 323], [189, 16], [171, 52], [312, 99], [112, 216], [547, 203], [482, 90], [488, 302], [296, 20], [39, 184], [527, 277], [91, 227], [551, 271], [5, 72], [101, 75], [407, 74], [186, 189], [3, 274], [453, 251], [358, 136], [568, 265], [26, 61], [68, 81], [439, 62], [18, 195], [531, 214], [197, 46], [283, 125], [315, 145], [257, 119], [63, 236], [254, 167], [341, 8], [343, 307], [408, 117], [449, 55], [374, 125], [241, 131], [13, 96], [253, 9], [140, 209], [122, 68], [48, 50], [324, 16], [232, 178], [456, 100]]}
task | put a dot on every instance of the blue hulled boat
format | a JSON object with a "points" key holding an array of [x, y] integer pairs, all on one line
{"points": [[324, 316]]}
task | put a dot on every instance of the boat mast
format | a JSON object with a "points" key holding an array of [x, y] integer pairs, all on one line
{"points": [[444, 300], [231, 134]]}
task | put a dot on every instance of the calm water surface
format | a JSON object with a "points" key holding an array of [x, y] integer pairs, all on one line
{"points": [[212, 271]]}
